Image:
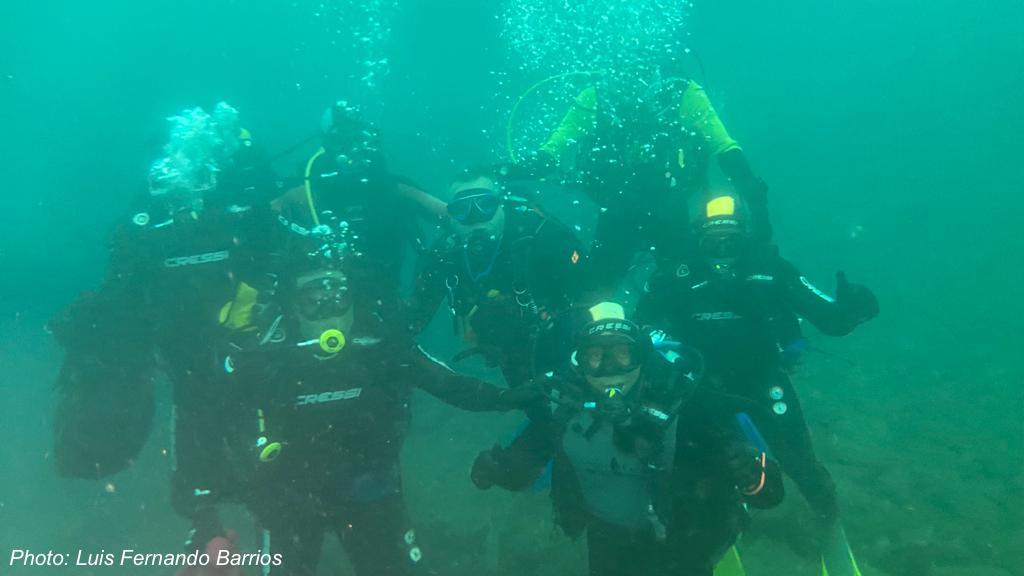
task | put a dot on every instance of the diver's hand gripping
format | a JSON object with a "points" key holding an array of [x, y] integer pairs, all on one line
{"points": [[747, 466], [521, 397], [486, 468]]}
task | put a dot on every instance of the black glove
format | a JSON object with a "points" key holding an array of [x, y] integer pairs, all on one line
{"points": [[856, 299], [691, 362], [486, 468], [615, 408], [746, 466], [513, 468]]}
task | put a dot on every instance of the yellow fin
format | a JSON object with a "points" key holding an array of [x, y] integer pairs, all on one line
{"points": [[730, 564]]}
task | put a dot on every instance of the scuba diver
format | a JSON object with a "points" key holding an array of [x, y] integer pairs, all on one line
{"points": [[196, 245], [243, 169], [740, 304], [640, 149], [347, 179], [325, 391], [653, 467], [506, 269]]}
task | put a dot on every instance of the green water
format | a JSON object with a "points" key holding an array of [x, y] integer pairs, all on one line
{"points": [[888, 132]]}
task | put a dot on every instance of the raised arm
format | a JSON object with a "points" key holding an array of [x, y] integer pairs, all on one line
{"points": [[428, 293], [700, 117], [579, 122], [461, 391], [838, 316]]}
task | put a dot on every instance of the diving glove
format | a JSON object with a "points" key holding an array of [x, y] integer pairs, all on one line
{"points": [[487, 468], [745, 465], [858, 300]]}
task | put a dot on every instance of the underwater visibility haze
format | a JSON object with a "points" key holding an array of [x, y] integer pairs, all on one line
{"points": [[888, 134]]}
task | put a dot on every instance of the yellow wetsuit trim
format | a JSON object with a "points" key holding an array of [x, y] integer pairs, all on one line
{"points": [[578, 122], [309, 186], [698, 115]]}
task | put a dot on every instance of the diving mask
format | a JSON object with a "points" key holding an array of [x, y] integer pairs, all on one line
{"points": [[616, 356], [323, 304], [323, 297], [474, 206]]}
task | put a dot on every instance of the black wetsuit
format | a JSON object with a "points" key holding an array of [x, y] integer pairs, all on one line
{"points": [[744, 324], [656, 493], [380, 209], [503, 300], [160, 306], [341, 423]]}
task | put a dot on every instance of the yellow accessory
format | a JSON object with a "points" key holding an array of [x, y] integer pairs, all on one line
{"points": [[836, 552], [730, 564], [309, 186], [607, 311], [271, 452], [698, 115], [237, 314], [332, 341], [587, 100], [721, 206]]}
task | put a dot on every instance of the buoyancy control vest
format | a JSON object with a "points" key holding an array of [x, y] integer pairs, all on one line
{"points": [[623, 470]]}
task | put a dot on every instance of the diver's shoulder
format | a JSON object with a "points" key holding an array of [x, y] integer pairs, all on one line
{"points": [[522, 219], [141, 223], [681, 272], [531, 220], [152, 223], [766, 264]]}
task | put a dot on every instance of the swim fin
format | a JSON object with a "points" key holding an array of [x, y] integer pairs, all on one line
{"points": [[836, 557], [730, 564]]}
